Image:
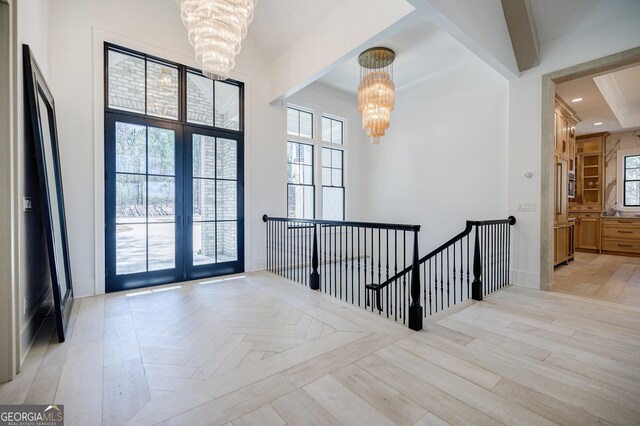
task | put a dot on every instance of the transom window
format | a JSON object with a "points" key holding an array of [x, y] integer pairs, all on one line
{"points": [[332, 130], [632, 181], [146, 85], [299, 123]]}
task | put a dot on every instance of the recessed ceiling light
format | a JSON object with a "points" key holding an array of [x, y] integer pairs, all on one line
{"points": [[599, 123], [577, 100]]}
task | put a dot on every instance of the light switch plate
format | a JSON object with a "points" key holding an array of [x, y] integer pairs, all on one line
{"points": [[27, 204], [529, 206]]}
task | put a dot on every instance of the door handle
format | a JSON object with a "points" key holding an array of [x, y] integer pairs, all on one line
{"points": [[625, 232]]}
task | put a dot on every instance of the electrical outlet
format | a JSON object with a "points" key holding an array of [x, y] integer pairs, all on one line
{"points": [[527, 207]]}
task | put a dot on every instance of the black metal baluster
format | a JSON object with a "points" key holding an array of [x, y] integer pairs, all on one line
{"points": [[441, 281], [366, 294], [468, 267], [435, 282], [454, 272], [509, 253], [461, 270], [428, 283], [359, 270], [448, 285], [404, 278], [323, 231], [387, 245], [353, 295], [395, 272], [340, 244]]}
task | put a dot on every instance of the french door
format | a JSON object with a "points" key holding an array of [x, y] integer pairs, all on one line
{"points": [[174, 202]]}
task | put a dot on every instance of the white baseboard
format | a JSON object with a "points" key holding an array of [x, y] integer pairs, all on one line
{"points": [[525, 279], [29, 329], [258, 264]]}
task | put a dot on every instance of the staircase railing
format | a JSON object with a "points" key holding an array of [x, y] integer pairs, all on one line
{"points": [[377, 265], [461, 268], [342, 258]]}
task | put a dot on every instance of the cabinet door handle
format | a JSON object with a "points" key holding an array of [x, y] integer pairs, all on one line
{"points": [[625, 232], [625, 221], [625, 245]]}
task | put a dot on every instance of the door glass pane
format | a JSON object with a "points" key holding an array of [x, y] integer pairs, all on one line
{"points": [[204, 199], [227, 200], [162, 246], [204, 243], [204, 156], [162, 90], [227, 237], [131, 148], [162, 199], [145, 203], [227, 105], [199, 99], [161, 151], [131, 248], [227, 159], [126, 82], [131, 198]]}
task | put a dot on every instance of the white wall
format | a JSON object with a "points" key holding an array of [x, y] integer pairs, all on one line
{"points": [[442, 161], [611, 27], [78, 29], [32, 28]]}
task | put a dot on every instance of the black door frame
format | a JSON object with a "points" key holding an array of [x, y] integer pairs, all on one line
{"points": [[184, 269], [213, 269]]}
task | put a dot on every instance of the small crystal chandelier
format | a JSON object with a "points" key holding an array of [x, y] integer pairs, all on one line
{"points": [[376, 92], [216, 29]]}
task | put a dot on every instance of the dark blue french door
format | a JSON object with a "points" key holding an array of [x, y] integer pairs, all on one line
{"points": [[174, 202]]}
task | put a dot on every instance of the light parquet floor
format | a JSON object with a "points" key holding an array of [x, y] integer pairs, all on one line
{"points": [[600, 276], [262, 350]]}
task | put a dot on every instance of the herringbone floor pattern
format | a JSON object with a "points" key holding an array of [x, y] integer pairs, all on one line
{"points": [[261, 350]]}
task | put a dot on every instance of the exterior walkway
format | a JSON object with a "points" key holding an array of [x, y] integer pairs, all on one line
{"points": [[262, 350]]}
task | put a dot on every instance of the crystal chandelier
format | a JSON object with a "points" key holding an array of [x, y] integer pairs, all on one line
{"points": [[216, 29], [376, 92]]}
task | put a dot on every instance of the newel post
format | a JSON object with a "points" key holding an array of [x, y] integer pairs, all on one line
{"points": [[314, 280], [476, 285], [415, 310]]}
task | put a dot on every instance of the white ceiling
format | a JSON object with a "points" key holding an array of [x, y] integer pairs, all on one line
{"points": [[422, 50], [277, 24], [621, 90], [594, 108], [556, 18]]}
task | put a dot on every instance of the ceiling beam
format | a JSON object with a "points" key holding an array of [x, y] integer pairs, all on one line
{"points": [[523, 33]]}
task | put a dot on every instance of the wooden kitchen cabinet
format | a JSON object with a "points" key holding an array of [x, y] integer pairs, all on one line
{"points": [[621, 235], [588, 232]]}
